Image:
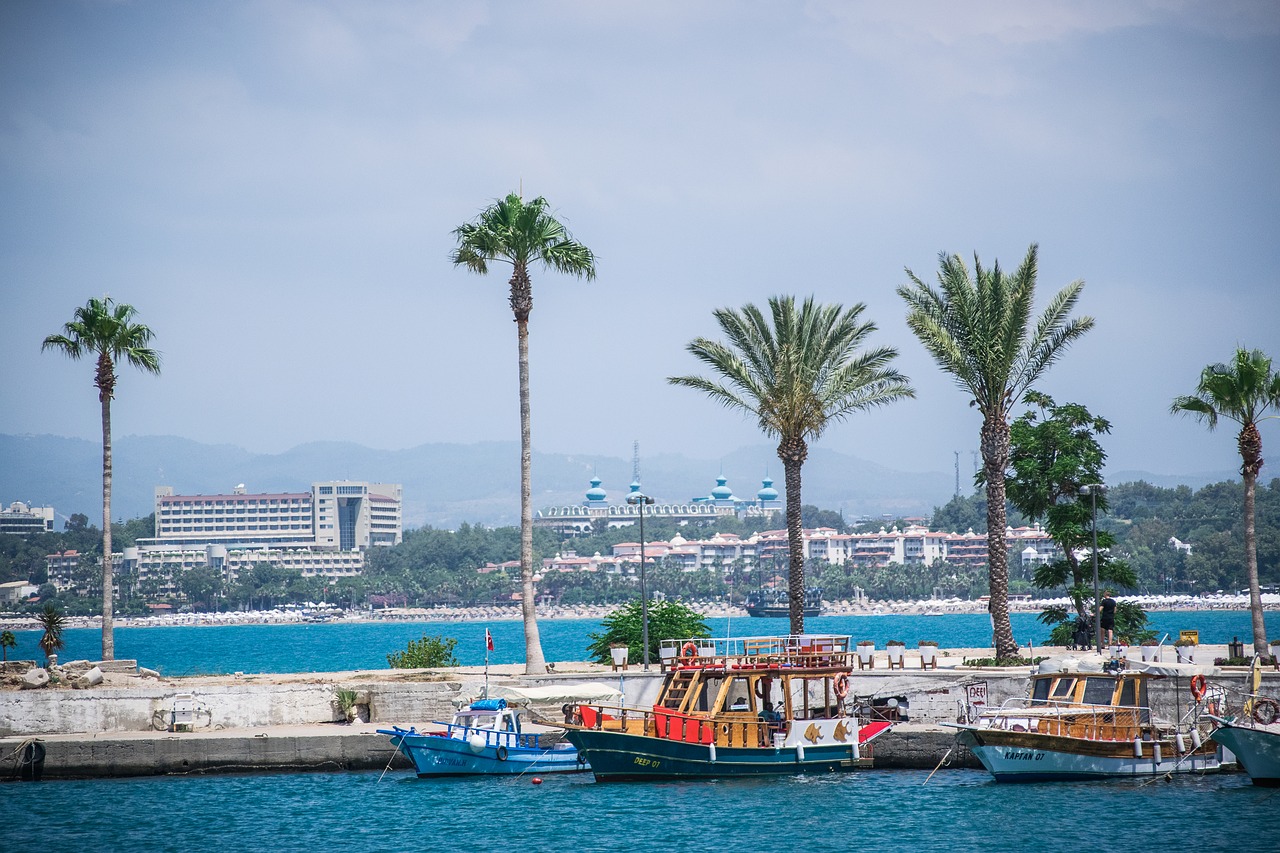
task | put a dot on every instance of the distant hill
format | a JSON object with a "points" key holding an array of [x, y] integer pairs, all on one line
{"points": [[447, 484]]}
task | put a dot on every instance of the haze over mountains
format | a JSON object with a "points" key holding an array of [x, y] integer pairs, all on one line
{"points": [[448, 484]]}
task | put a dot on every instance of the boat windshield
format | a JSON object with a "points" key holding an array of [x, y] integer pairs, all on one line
{"points": [[1040, 691], [477, 721], [1098, 691], [1064, 688]]}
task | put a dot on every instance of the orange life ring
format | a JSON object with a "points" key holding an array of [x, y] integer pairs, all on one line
{"points": [[1199, 687], [689, 650], [841, 685]]}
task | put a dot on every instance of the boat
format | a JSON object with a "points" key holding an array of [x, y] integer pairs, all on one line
{"points": [[751, 706], [486, 737], [777, 602], [1090, 718], [1254, 735]]}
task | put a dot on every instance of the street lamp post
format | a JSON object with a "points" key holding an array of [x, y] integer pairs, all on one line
{"points": [[640, 501], [1092, 490]]}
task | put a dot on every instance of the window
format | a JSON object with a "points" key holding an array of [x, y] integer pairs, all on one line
{"points": [[1064, 688], [1040, 691], [1098, 691]]}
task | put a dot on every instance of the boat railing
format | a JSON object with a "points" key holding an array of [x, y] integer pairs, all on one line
{"points": [[493, 737], [725, 731], [807, 650], [1069, 719]]}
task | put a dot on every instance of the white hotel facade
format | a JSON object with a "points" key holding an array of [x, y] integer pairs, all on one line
{"points": [[322, 532]]}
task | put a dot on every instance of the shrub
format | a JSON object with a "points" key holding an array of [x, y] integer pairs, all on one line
{"points": [[427, 653], [927, 643], [668, 620]]}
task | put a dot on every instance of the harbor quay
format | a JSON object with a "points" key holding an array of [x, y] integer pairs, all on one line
{"points": [[135, 723]]}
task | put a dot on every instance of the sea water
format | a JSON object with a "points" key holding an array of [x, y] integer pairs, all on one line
{"points": [[876, 810], [341, 646]]}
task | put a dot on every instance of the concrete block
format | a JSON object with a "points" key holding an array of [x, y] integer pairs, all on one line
{"points": [[35, 678]]}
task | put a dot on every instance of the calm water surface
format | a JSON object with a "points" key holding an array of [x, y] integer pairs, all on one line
{"points": [[958, 810], [332, 647]]}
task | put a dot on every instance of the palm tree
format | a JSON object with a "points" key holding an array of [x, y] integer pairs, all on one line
{"points": [[52, 621], [796, 377], [7, 641], [521, 234], [1241, 391], [105, 329], [979, 329]]}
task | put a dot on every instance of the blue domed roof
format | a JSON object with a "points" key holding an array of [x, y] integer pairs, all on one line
{"points": [[721, 492], [595, 493], [768, 492]]}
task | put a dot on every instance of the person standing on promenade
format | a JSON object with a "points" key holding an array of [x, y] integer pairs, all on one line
{"points": [[1107, 610]]}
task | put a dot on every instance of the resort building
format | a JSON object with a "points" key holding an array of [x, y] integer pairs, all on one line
{"points": [[580, 519], [324, 531], [916, 545], [20, 519]]}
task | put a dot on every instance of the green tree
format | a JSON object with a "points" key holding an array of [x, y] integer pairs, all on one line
{"points": [[427, 653], [105, 329], [796, 372], [979, 328], [1241, 391], [7, 641], [53, 623], [1054, 450], [520, 234], [201, 585], [668, 620]]}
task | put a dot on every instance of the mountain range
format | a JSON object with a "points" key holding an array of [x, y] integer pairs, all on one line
{"points": [[448, 484]]}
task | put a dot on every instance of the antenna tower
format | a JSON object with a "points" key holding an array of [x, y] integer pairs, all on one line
{"points": [[957, 473], [635, 461]]}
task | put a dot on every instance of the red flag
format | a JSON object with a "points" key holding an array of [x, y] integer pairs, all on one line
{"points": [[488, 640]]}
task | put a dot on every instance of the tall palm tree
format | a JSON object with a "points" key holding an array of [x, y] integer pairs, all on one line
{"points": [[520, 234], [105, 329], [979, 329], [1241, 391], [796, 372]]}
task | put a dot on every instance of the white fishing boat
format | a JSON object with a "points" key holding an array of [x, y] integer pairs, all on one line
{"points": [[1090, 717], [1254, 734]]}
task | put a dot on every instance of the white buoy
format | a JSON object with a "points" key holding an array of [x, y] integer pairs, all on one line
{"points": [[1180, 742], [1196, 742], [476, 742], [800, 752], [1137, 747], [713, 752], [1155, 751]]}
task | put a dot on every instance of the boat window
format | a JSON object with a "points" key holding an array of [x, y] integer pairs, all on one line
{"points": [[1064, 689], [1040, 690], [477, 721], [1128, 692], [1098, 691]]}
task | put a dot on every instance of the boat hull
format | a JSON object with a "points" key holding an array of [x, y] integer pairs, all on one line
{"points": [[617, 756], [437, 755], [1032, 757], [1256, 748]]}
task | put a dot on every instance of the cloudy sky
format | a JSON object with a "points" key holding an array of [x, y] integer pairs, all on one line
{"points": [[273, 186]]}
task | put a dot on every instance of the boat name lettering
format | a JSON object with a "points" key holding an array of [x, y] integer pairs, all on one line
{"points": [[647, 762], [1024, 755]]}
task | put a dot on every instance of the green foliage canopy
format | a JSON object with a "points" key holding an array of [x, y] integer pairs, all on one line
{"points": [[427, 653], [668, 620]]}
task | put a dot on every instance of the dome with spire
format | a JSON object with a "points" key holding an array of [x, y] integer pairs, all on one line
{"points": [[595, 494], [767, 492], [722, 492]]}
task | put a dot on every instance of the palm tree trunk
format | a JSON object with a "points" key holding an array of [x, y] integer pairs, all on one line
{"points": [[1251, 453], [108, 623], [995, 460], [793, 452], [534, 662]]}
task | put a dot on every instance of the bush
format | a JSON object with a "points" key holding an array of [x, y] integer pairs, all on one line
{"points": [[668, 620], [1002, 661], [427, 653]]}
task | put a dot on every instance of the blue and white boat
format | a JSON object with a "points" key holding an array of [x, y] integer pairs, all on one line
{"points": [[487, 737]]}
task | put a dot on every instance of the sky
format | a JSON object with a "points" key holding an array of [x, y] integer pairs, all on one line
{"points": [[274, 185]]}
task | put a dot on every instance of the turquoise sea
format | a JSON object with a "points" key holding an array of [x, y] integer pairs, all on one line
{"points": [[877, 810], [339, 646]]}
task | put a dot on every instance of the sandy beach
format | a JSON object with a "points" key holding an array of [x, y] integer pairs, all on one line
{"points": [[927, 607]]}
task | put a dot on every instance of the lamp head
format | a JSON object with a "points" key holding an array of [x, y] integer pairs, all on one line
{"points": [[1093, 488], [639, 498]]}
